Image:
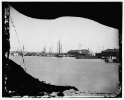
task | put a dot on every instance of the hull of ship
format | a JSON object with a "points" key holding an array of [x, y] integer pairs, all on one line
{"points": [[86, 57], [59, 56]]}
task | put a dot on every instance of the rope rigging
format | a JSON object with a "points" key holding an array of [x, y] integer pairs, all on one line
{"points": [[19, 44]]}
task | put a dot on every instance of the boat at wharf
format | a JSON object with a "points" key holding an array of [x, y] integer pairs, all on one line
{"points": [[85, 57], [112, 60]]}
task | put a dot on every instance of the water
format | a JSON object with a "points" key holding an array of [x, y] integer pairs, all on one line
{"points": [[84, 74]]}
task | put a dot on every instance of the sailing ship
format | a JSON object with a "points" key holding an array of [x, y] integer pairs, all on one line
{"points": [[44, 51], [50, 54], [85, 54], [59, 50]]}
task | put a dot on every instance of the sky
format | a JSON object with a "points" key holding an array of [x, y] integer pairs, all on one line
{"points": [[74, 33]]}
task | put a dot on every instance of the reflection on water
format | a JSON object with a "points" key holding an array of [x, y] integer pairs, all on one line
{"points": [[92, 74]]}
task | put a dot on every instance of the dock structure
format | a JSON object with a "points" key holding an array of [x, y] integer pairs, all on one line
{"points": [[111, 52], [110, 55]]}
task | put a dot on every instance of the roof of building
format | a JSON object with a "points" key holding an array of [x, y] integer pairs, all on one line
{"points": [[82, 51], [111, 50], [73, 51]]}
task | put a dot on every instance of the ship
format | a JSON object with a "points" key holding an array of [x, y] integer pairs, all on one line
{"points": [[85, 57], [85, 54], [59, 50]]}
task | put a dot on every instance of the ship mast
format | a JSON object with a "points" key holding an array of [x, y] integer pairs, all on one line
{"points": [[23, 48], [59, 47], [50, 50]]}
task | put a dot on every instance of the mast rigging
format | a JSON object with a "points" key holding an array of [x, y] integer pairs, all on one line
{"points": [[19, 44]]}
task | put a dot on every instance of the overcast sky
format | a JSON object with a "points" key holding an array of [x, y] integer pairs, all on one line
{"points": [[74, 32]]}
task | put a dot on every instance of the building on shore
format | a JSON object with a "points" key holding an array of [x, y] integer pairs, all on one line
{"points": [[109, 54]]}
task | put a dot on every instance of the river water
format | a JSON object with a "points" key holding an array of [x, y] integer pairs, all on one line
{"points": [[84, 74]]}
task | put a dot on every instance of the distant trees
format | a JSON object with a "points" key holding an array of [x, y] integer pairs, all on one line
{"points": [[33, 54], [20, 53], [30, 54]]}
